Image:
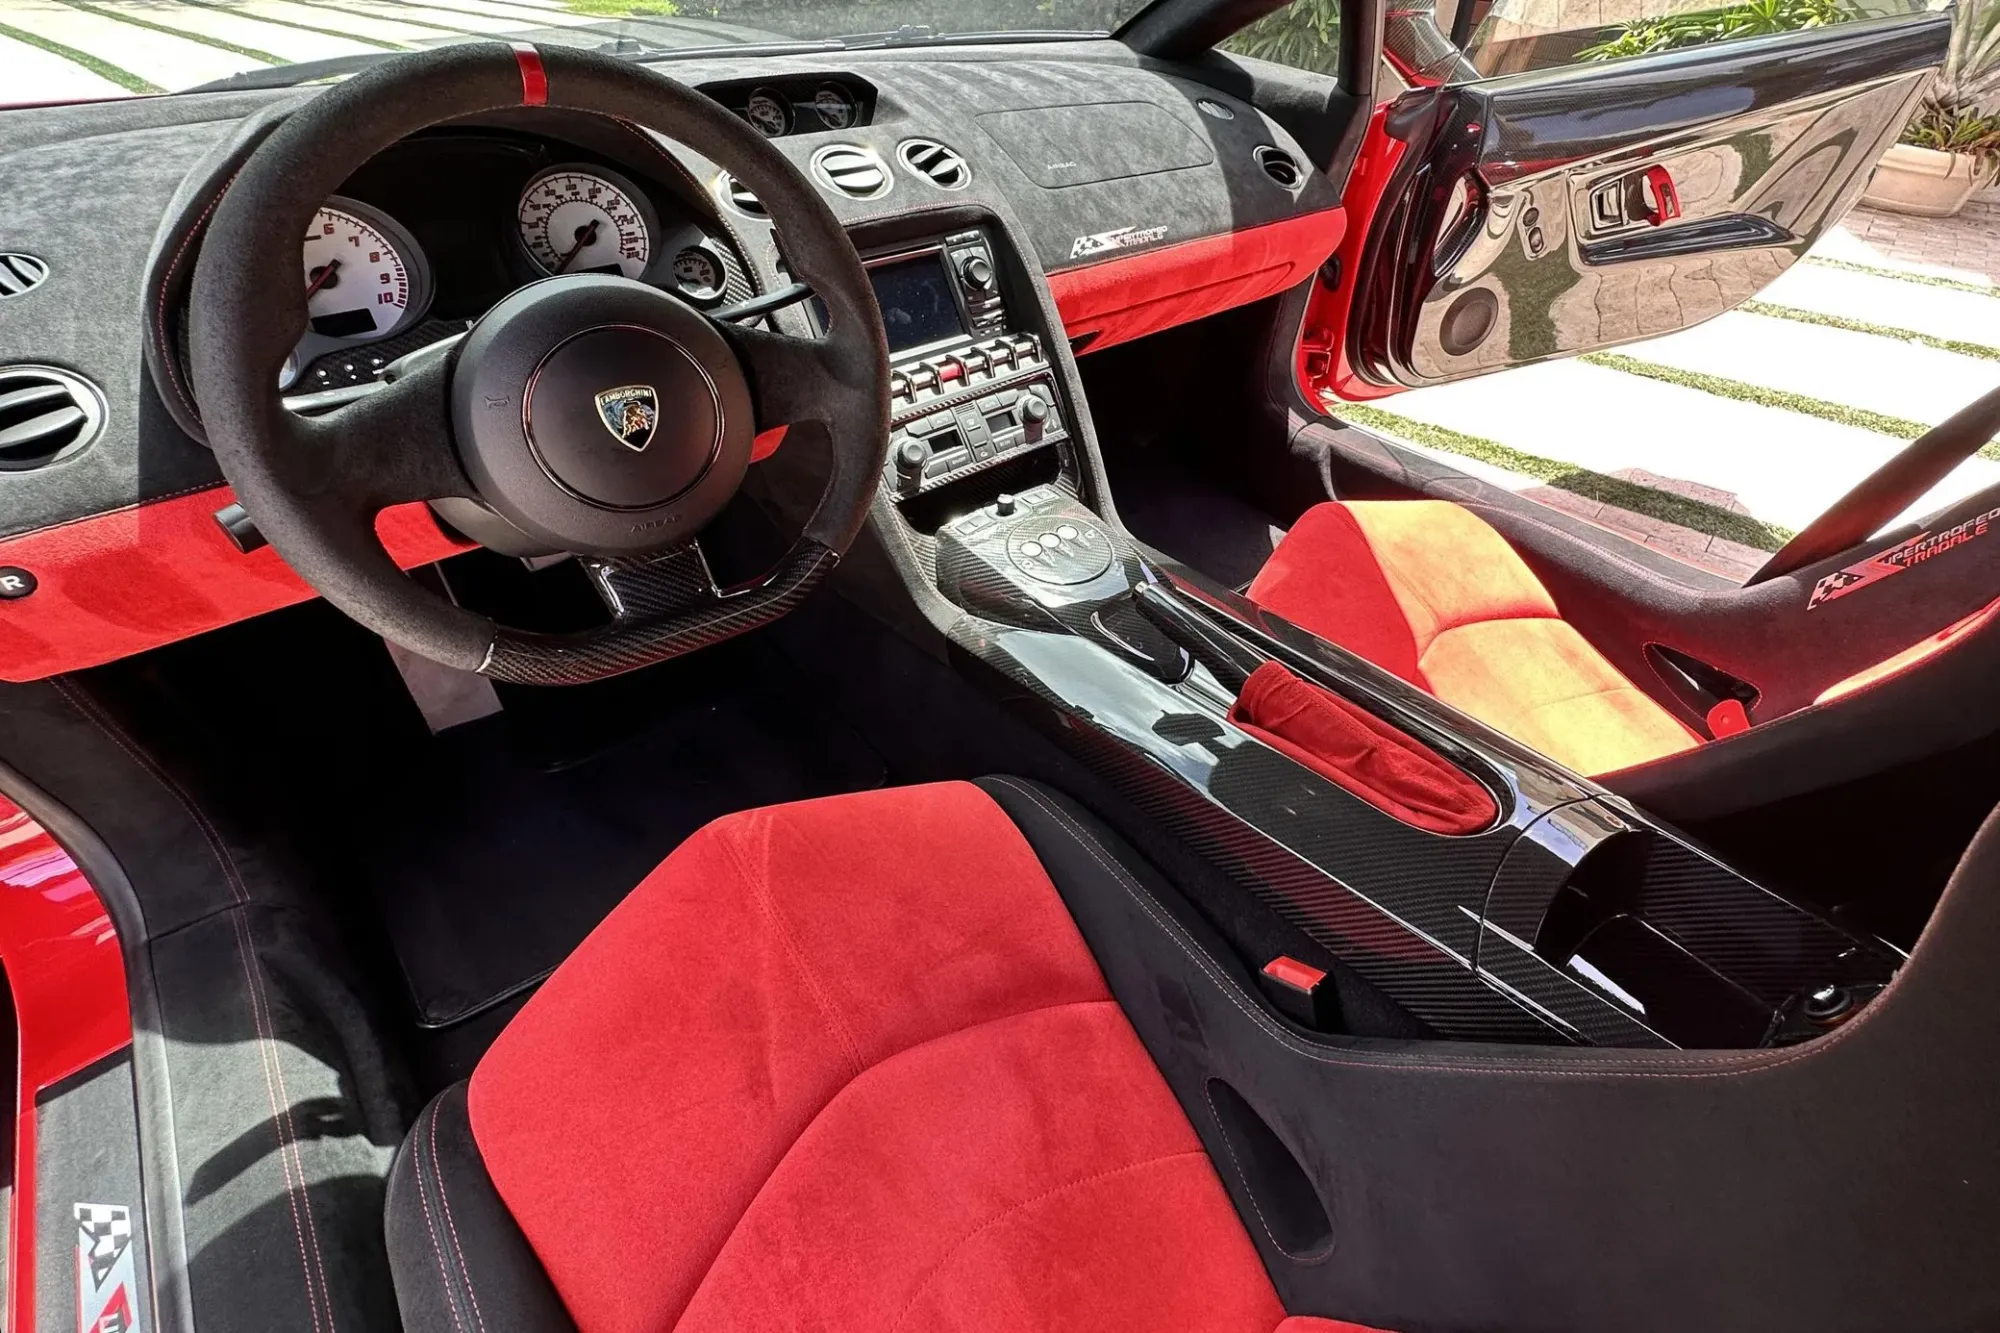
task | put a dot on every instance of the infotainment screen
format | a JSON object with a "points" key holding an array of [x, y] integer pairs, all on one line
{"points": [[918, 306]]}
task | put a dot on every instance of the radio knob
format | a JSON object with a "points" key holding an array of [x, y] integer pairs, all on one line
{"points": [[1033, 408], [978, 274], [911, 455]]}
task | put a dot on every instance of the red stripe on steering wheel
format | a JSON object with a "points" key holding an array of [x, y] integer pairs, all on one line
{"points": [[534, 79]]}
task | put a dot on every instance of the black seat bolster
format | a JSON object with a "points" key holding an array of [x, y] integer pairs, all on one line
{"points": [[459, 1259]]}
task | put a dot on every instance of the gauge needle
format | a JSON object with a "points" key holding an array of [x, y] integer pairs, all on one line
{"points": [[584, 236], [325, 274]]}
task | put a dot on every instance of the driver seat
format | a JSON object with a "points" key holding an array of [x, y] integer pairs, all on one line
{"points": [[842, 1065]]}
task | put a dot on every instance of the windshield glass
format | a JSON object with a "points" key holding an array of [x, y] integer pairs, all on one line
{"points": [[75, 50]]}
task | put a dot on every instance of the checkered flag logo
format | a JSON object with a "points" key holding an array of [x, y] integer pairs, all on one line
{"points": [[104, 1230], [1833, 585]]}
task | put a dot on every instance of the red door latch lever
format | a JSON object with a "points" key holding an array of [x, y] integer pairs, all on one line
{"points": [[1660, 200]]}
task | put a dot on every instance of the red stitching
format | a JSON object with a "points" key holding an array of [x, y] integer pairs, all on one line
{"points": [[289, 1158], [423, 1201], [169, 354], [444, 1203]]}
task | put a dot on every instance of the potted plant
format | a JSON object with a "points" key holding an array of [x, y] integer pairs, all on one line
{"points": [[1949, 149]]}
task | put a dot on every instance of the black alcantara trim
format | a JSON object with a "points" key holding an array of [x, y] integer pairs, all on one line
{"points": [[459, 1259]]}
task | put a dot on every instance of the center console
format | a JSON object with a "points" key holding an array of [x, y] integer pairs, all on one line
{"points": [[1571, 918]]}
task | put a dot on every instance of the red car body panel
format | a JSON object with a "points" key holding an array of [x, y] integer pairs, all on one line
{"points": [[67, 976]]}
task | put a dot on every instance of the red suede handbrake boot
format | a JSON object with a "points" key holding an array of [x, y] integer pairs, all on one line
{"points": [[1393, 772]]}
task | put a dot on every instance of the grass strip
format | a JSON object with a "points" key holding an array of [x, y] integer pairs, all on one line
{"points": [[298, 27], [1839, 413], [1881, 423], [120, 16], [1798, 316], [1903, 275], [624, 8], [1662, 505], [103, 69]]}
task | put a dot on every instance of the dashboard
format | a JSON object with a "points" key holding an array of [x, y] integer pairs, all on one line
{"points": [[1126, 197]]}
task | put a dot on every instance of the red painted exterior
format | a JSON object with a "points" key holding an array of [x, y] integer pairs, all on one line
{"points": [[71, 1009], [120, 583], [1324, 370]]}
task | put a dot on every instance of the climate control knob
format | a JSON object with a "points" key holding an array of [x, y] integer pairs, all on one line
{"points": [[1034, 408], [911, 455]]}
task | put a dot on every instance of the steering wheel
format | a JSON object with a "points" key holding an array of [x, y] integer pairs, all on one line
{"points": [[595, 414]]}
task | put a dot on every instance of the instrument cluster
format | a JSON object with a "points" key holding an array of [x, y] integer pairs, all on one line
{"points": [[797, 104], [437, 230]]}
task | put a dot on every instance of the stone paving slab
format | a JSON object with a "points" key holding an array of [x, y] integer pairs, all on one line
{"points": [[315, 16], [240, 29], [1782, 467], [450, 20], [35, 75], [1901, 379], [1939, 311], [1966, 246], [170, 62]]}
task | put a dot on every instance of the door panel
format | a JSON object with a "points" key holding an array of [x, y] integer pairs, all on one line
{"points": [[1549, 214]]}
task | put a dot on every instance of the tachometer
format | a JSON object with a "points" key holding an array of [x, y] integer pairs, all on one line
{"points": [[768, 113], [364, 277], [586, 220]]}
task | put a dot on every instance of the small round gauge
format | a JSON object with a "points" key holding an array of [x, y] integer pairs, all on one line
{"points": [[364, 277], [836, 106], [585, 220], [698, 273], [768, 113]]}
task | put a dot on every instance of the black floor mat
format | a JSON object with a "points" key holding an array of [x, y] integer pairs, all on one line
{"points": [[511, 837], [1174, 510]]}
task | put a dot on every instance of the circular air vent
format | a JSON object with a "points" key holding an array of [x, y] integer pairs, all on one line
{"points": [[739, 197], [1281, 166], [855, 172], [45, 414], [935, 163], [20, 272]]}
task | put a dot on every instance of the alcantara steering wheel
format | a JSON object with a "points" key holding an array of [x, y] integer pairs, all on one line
{"points": [[511, 420]]}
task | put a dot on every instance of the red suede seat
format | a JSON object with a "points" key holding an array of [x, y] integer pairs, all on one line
{"points": [[842, 1065], [1428, 590]]}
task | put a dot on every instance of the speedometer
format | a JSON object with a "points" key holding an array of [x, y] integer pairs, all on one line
{"points": [[363, 276], [586, 220]]}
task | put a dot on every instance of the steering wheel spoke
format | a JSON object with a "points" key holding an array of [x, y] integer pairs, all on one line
{"points": [[666, 585], [390, 447], [788, 376]]}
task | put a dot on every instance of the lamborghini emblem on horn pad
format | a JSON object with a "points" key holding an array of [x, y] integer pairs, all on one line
{"points": [[630, 412]]}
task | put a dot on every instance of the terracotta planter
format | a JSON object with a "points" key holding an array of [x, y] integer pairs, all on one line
{"points": [[1922, 181]]}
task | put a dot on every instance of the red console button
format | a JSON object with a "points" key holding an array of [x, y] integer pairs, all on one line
{"points": [[1288, 971]]}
